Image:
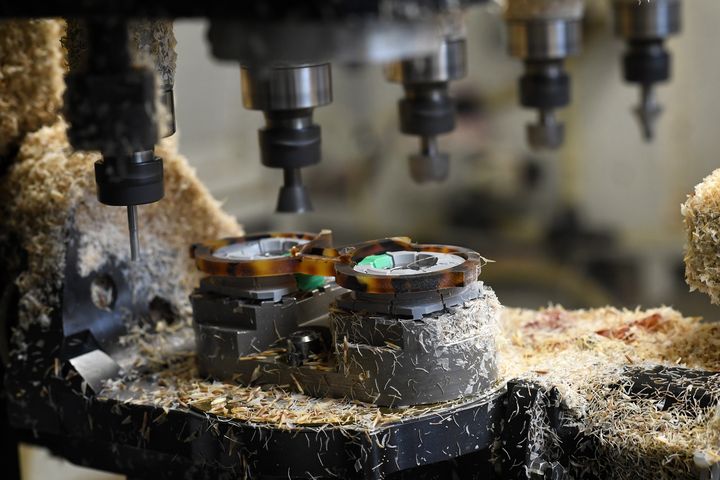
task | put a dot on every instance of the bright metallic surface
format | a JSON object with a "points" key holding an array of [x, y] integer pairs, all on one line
{"points": [[358, 40], [648, 112], [429, 168], [273, 120], [265, 248], [448, 63], [167, 99], [523, 10], [413, 263], [305, 336], [142, 156], [133, 229], [430, 164], [548, 133], [544, 39], [647, 19], [286, 88], [429, 145], [293, 197]]}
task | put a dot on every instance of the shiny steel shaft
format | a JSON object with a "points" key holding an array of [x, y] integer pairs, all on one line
{"points": [[133, 229], [648, 111], [429, 145]]}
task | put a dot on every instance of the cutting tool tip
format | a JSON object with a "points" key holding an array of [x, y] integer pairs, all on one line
{"points": [[133, 229], [648, 112]]}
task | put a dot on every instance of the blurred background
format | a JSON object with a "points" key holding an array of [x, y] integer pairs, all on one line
{"points": [[596, 223]]}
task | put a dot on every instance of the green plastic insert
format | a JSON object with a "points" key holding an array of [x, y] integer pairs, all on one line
{"points": [[309, 282], [382, 261]]}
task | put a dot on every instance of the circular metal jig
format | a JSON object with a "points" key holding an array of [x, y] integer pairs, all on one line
{"points": [[411, 267], [264, 255]]}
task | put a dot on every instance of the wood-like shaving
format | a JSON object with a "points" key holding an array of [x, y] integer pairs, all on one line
{"points": [[31, 83], [164, 375], [49, 188], [582, 353], [701, 217]]}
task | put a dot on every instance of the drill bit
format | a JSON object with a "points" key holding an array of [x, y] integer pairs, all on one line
{"points": [[429, 145], [293, 197], [648, 111], [548, 133], [430, 165], [133, 229]]}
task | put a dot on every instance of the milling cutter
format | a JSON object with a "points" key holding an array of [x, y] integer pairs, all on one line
{"points": [[543, 33], [645, 26], [427, 110], [285, 61], [110, 104], [287, 95]]}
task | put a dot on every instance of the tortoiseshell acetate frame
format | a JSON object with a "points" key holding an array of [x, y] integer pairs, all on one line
{"points": [[460, 275], [319, 257]]}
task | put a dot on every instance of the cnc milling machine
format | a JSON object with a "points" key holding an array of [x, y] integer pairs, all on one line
{"points": [[203, 351]]}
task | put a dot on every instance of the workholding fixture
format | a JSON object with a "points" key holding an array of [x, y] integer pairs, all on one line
{"points": [[417, 325], [287, 95], [427, 109], [412, 320], [645, 26], [543, 33], [255, 299]]}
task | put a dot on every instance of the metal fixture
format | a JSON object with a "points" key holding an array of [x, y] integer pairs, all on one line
{"points": [[427, 109], [543, 33], [287, 95], [254, 298], [304, 345], [407, 298], [270, 313], [645, 26]]}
